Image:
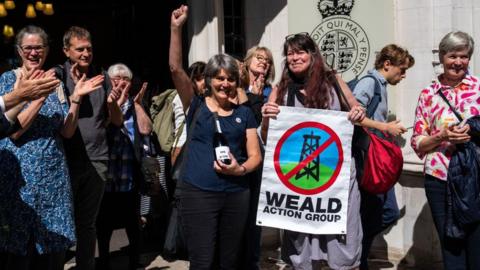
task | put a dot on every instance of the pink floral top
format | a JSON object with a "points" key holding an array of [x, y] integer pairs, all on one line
{"points": [[433, 113]]}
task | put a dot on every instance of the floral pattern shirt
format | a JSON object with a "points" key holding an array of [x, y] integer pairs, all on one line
{"points": [[35, 193], [433, 114]]}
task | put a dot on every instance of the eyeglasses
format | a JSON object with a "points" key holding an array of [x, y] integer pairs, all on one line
{"points": [[26, 49], [262, 58], [297, 34], [119, 78]]}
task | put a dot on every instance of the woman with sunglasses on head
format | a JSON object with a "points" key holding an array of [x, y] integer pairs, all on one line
{"points": [[36, 215], [307, 82], [213, 196]]}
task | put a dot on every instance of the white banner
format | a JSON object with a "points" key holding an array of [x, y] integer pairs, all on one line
{"points": [[306, 171]]}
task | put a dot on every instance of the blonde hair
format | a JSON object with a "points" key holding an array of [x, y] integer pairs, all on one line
{"points": [[269, 77]]}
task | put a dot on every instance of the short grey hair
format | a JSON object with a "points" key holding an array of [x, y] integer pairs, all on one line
{"points": [[119, 69], [219, 62], [455, 41], [31, 30]]}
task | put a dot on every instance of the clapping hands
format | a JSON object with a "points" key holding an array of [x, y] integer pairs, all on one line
{"points": [[34, 84], [119, 92], [84, 87], [258, 85], [139, 97]]}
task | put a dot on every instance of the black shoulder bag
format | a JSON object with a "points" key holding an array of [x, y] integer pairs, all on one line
{"points": [[175, 245]]}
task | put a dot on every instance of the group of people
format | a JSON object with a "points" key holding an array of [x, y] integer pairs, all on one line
{"points": [[57, 129], [73, 137]]}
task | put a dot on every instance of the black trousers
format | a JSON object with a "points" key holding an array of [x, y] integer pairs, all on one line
{"points": [[32, 260], [250, 255], [457, 254], [213, 223], [119, 210]]}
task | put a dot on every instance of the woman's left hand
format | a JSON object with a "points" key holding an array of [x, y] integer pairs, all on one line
{"points": [[139, 97], [356, 114], [233, 169]]}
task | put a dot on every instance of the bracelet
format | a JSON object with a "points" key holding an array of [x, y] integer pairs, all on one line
{"points": [[76, 101], [244, 170]]}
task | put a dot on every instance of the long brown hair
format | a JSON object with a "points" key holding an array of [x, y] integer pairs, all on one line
{"points": [[319, 79]]}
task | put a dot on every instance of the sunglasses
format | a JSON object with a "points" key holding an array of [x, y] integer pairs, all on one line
{"points": [[301, 34]]}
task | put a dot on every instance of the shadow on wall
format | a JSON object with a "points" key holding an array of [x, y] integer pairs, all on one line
{"points": [[417, 245], [258, 14], [17, 218], [425, 250]]}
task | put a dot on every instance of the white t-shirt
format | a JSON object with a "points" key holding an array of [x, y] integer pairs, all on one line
{"points": [[2, 105], [179, 119]]}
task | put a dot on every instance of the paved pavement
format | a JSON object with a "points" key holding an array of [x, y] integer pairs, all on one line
{"points": [[150, 260]]}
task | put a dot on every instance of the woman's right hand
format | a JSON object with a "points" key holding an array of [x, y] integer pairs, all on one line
{"points": [[270, 110], [258, 85], [179, 16], [455, 134]]}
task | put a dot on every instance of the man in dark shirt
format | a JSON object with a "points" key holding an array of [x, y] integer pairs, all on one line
{"points": [[87, 150]]}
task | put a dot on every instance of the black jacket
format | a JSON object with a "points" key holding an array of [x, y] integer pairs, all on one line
{"points": [[6, 128], [463, 184]]}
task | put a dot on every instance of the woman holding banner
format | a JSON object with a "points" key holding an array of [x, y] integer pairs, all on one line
{"points": [[308, 82]]}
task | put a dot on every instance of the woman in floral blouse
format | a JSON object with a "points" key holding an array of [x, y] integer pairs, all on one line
{"points": [[36, 213], [437, 131]]}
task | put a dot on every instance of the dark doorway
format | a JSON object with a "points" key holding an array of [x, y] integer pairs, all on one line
{"points": [[136, 33]]}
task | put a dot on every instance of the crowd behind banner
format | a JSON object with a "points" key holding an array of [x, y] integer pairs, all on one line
{"points": [[85, 151]]}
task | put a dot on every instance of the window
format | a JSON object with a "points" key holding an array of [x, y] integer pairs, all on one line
{"points": [[234, 28]]}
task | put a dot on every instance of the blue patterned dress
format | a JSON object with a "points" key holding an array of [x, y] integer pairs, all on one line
{"points": [[35, 191]]}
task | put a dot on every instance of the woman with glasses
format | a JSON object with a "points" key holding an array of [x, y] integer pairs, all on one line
{"points": [[256, 75], [213, 196], [121, 201], [35, 197], [308, 82]]}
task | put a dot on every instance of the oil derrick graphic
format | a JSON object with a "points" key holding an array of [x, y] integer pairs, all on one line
{"points": [[310, 144]]}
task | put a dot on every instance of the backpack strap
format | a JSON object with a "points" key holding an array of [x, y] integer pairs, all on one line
{"points": [[341, 96], [376, 99], [179, 134], [60, 72]]}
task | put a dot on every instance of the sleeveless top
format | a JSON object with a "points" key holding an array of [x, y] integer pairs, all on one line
{"points": [[334, 101]]}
